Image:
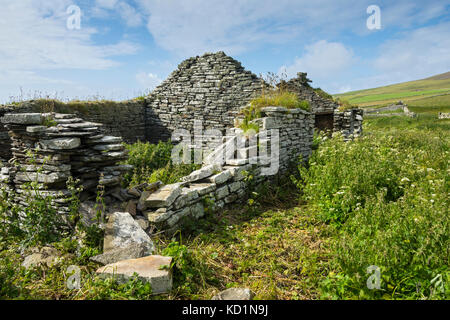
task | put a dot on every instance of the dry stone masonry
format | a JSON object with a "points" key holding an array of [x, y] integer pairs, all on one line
{"points": [[387, 111], [49, 148], [48, 142], [222, 179], [444, 115], [349, 122], [124, 119], [211, 88], [300, 86], [328, 114]]}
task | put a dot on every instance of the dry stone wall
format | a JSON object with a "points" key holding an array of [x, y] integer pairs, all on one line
{"points": [[211, 88], [301, 87], [285, 136], [348, 122], [125, 119], [399, 106], [49, 148]]}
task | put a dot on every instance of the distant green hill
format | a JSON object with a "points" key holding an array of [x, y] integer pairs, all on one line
{"points": [[430, 95]]}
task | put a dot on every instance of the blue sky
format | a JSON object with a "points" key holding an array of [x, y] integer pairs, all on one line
{"points": [[126, 47]]}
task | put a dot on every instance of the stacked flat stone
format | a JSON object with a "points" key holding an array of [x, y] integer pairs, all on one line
{"points": [[211, 88], [349, 123], [221, 181], [125, 119], [301, 87], [49, 148]]}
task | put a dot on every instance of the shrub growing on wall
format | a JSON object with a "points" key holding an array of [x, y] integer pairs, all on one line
{"points": [[275, 96]]}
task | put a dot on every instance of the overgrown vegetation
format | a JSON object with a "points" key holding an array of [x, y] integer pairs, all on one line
{"points": [[279, 97], [152, 162], [427, 92], [379, 201], [323, 94], [344, 104], [386, 197], [275, 95]]}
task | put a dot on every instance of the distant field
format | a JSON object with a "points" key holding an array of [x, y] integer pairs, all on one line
{"points": [[431, 94], [431, 104]]}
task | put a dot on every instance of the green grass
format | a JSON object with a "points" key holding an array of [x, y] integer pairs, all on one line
{"points": [[152, 163], [431, 104], [409, 92], [279, 98], [424, 121], [380, 200], [396, 95], [389, 206]]}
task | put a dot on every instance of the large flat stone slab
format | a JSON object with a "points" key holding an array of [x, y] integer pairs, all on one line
{"points": [[203, 188], [164, 197], [61, 143], [47, 256], [123, 231], [153, 269], [22, 118], [41, 177], [203, 173], [133, 251]]}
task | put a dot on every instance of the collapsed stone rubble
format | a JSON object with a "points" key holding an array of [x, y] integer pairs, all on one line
{"points": [[50, 148], [222, 179], [381, 112], [210, 89]]}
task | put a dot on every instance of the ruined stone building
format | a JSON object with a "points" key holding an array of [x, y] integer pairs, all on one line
{"points": [[82, 139], [214, 87], [328, 113], [211, 88]]}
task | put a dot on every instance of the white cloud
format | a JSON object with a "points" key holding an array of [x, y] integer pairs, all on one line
{"points": [[411, 13], [107, 4], [419, 53], [34, 37], [130, 15], [148, 81], [235, 26], [411, 56], [104, 8], [322, 60], [195, 26]]}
